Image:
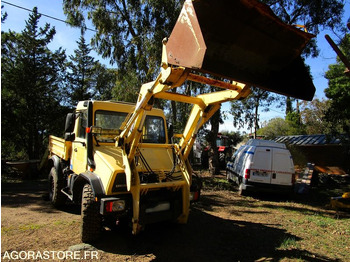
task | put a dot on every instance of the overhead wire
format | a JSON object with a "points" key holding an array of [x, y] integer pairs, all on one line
{"points": [[48, 16]]}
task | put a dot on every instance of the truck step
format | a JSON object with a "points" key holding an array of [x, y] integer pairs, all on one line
{"points": [[66, 191]]}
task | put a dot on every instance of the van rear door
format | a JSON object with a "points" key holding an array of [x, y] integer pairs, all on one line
{"points": [[282, 167], [260, 168]]}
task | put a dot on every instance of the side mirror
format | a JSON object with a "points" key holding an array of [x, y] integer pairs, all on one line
{"points": [[70, 122], [69, 127], [170, 132]]}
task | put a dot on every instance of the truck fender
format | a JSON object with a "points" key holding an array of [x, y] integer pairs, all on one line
{"points": [[56, 162], [92, 179]]}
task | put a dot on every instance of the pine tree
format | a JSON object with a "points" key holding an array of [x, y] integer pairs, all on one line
{"points": [[32, 81], [81, 78]]}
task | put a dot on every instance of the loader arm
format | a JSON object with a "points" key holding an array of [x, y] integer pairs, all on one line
{"points": [[229, 44], [204, 105]]}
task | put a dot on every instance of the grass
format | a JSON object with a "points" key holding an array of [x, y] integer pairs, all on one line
{"points": [[289, 243], [21, 228], [217, 184]]}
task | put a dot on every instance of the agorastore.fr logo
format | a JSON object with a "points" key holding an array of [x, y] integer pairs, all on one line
{"points": [[50, 255]]}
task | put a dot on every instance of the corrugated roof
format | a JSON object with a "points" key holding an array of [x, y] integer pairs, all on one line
{"points": [[308, 140]]}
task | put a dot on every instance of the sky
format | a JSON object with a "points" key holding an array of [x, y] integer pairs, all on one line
{"points": [[67, 36]]}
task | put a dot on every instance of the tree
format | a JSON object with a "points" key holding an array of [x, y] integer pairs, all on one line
{"points": [[274, 128], [129, 32], [296, 127], [313, 116], [246, 112], [81, 78], [3, 15], [105, 82], [338, 92], [32, 78], [281, 127]]}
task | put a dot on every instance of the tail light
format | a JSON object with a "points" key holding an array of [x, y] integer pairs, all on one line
{"points": [[247, 174], [194, 196]]}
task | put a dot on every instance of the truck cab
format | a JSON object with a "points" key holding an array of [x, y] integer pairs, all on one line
{"points": [[90, 156]]}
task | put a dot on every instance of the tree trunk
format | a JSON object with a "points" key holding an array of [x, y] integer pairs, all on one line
{"points": [[256, 122]]}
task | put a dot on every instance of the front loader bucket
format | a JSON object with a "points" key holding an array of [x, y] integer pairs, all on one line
{"points": [[241, 40]]}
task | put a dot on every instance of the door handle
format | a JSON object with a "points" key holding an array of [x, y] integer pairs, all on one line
{"points": [[274, 175]]}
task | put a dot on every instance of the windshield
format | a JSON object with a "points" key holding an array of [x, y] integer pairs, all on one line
{"points": [[110, 123]]}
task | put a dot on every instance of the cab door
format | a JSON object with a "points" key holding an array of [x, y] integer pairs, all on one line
{"points": [[79, 150]]}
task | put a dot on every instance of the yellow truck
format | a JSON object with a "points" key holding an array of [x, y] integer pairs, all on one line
{"points": [[120, 161]]}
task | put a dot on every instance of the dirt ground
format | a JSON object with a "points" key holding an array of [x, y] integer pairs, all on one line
{"points": [[223, 226]]}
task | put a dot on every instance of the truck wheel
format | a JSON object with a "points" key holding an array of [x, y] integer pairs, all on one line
{"points": [[57, 198], [90, 216]]}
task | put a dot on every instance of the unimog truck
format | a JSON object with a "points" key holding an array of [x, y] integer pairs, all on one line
{"points": [[120, 162]]}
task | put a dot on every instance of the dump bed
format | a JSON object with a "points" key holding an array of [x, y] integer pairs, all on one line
{"points": [[60, 147]]}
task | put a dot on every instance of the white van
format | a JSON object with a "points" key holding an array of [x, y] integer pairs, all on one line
{"points": [[262, 165]]}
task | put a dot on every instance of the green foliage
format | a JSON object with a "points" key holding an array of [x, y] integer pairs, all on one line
{"points": [[105, 82], [31, 89], [296, 127], [275, 127], [246, 112], [338, 92], [128, 32], [313, 116], [280, 127], [81, 77], [234, 138]]}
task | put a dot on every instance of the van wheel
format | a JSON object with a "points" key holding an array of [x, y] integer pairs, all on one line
{"points": [[91, 220], [241, 191], [56, 197], [228, 177]]}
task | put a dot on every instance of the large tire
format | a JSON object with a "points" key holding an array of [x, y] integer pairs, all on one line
{"points": [[91, 220], [56, 184]]}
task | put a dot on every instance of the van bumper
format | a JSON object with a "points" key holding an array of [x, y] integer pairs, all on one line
{"points": [[262, 187]]}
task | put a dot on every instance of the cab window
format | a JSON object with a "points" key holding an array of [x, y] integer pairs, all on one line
{"points": [[82, 123], [153, 130]]}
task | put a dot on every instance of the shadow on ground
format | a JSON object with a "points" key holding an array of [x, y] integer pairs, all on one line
{"points": [[205, 238]]}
